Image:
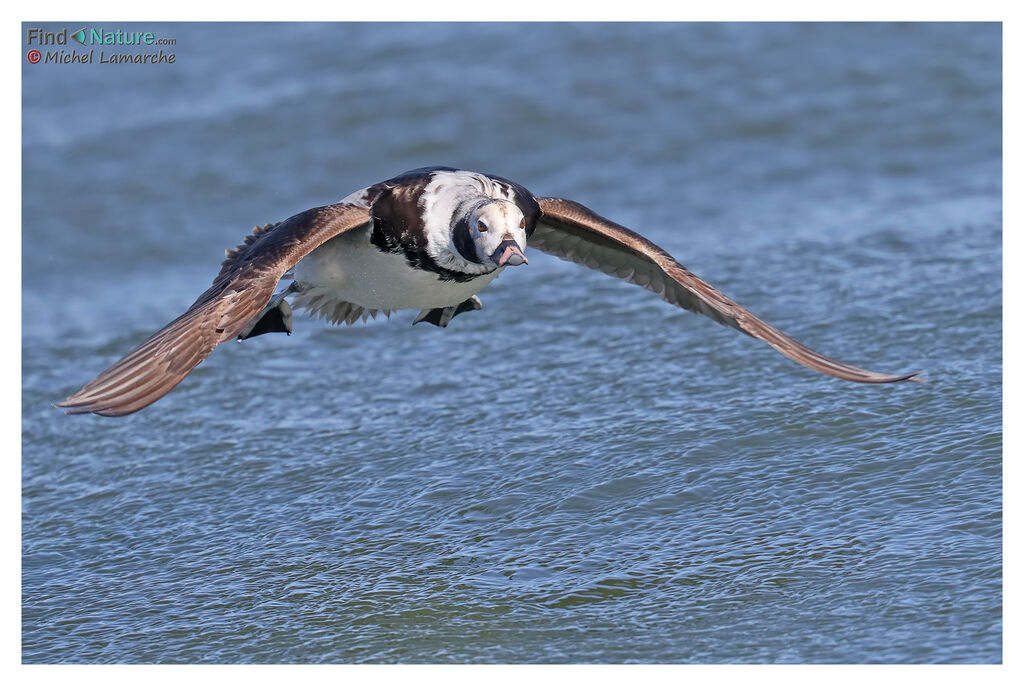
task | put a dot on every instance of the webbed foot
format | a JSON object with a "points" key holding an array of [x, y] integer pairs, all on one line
{"points": [[440, 316], [274, 318]]}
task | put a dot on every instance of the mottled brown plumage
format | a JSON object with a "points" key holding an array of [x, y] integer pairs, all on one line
{"points": [[242, 288], [572, 232]]}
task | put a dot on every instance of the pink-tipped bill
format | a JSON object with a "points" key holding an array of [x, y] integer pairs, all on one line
{"points": [[511, 254]]}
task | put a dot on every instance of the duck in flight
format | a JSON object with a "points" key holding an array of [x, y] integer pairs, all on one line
{"points": [[429, 239]]}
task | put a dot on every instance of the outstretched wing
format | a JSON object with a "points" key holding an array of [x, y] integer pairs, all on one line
{"points": [[243, 287], [572, 232]]}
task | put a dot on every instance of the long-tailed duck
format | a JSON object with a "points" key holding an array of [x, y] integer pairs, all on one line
{"points": [[429, 239]]}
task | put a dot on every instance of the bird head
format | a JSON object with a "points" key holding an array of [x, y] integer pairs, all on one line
{"points": [[498, 230]]}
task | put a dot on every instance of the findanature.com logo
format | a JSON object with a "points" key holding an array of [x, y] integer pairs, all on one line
{"points": [[55, 53]]}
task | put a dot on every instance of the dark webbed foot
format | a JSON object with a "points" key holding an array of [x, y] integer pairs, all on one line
{"points": [[440, 316], [278, 319], [274, 318]]}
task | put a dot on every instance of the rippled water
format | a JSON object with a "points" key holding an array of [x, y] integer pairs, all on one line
{"points": [[577, 473]]}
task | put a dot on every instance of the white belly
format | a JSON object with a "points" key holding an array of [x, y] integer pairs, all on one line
{"points": [[349, 268]]}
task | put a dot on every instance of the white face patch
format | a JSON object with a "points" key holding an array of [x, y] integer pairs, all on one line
{"points": [[501, 221], [453, 194]]}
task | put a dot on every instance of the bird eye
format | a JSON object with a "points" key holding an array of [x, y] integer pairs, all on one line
{"points": [[522, 223], [480, 227]]}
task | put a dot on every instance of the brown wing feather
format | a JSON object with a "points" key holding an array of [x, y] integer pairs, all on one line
{"points": [[572, 232], [243, 287]]}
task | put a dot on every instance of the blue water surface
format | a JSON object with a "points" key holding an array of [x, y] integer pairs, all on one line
{"points": [[578, 472]]}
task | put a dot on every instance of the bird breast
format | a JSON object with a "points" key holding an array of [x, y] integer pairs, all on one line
{"points": [[350, 268]]}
